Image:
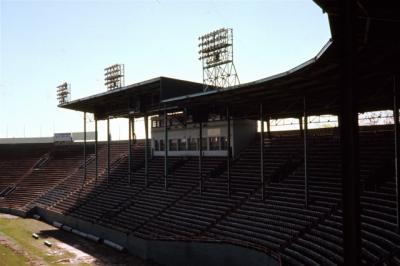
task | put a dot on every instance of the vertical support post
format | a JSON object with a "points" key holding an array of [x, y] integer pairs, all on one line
{"points": [[348, 122], [133, 141], [229, 152], [269, 127], [262, 151], [201, 156], [396, 149], [129, 149], [84, 148], [108, 149], [305, 138], [96, 148], [301, 126], [166, 149], [146, 150]]}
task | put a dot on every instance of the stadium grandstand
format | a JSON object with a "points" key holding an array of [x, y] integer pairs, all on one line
{"points": [[214, 184]]}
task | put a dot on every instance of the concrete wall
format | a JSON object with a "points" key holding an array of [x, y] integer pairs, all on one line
{"points": [[169, 252], [76, 136], [13, 212], [26, 140], [79, 136]]}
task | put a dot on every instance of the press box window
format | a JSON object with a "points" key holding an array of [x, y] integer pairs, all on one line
{"points": [[173, 144], [214, 143], [155, 123], [182, 144], [156, 145], [224, 143], [192, 144], [204, 143], [161, 145]]}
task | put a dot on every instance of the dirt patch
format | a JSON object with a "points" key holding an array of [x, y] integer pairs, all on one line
{"points": [[7, 216], [7, 243], [79, 256]]}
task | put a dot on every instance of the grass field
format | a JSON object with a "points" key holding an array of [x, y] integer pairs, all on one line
{"points": [[9, 257], [18, 247]]}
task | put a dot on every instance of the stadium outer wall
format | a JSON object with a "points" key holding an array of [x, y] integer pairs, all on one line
{"points": [[15, 212], [172, 253]]}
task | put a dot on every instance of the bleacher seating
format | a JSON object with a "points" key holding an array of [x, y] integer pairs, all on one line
{"points": [[47, 172], [16, 161], [74, 193], [280, 222]]}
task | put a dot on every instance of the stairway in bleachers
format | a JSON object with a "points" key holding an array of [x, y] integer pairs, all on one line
{"points": [[59, 163], [324, 196], [73, 193], [321, 244], [145, 203], [17, 161], [244, 221]]}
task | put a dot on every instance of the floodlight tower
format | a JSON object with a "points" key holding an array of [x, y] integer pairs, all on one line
{"points": [[64, 93], [114, 76], [216, 54]]}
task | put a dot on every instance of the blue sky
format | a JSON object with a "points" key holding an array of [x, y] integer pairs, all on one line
{"points": [[44, 43]]}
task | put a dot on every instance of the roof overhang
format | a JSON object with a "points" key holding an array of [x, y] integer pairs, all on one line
{"points": [[137, 99]]}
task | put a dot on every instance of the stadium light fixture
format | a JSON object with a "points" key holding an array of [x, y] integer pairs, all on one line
{"points": [[216, 54], [64, 93], [114, 76]]}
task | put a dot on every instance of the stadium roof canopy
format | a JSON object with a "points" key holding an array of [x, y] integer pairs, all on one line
{"points": [[135, 98], [377, 31]]}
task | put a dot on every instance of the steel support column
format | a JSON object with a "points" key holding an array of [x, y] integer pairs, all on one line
{"points": [[201, 156], [165, 149], [96, 152], [108, 149], [229, 151], [301, 126], [348, 122], [396, 148], [262, 151], [146, 150], [129, 150], [305, 139], [133, 142], [84, 148]]}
